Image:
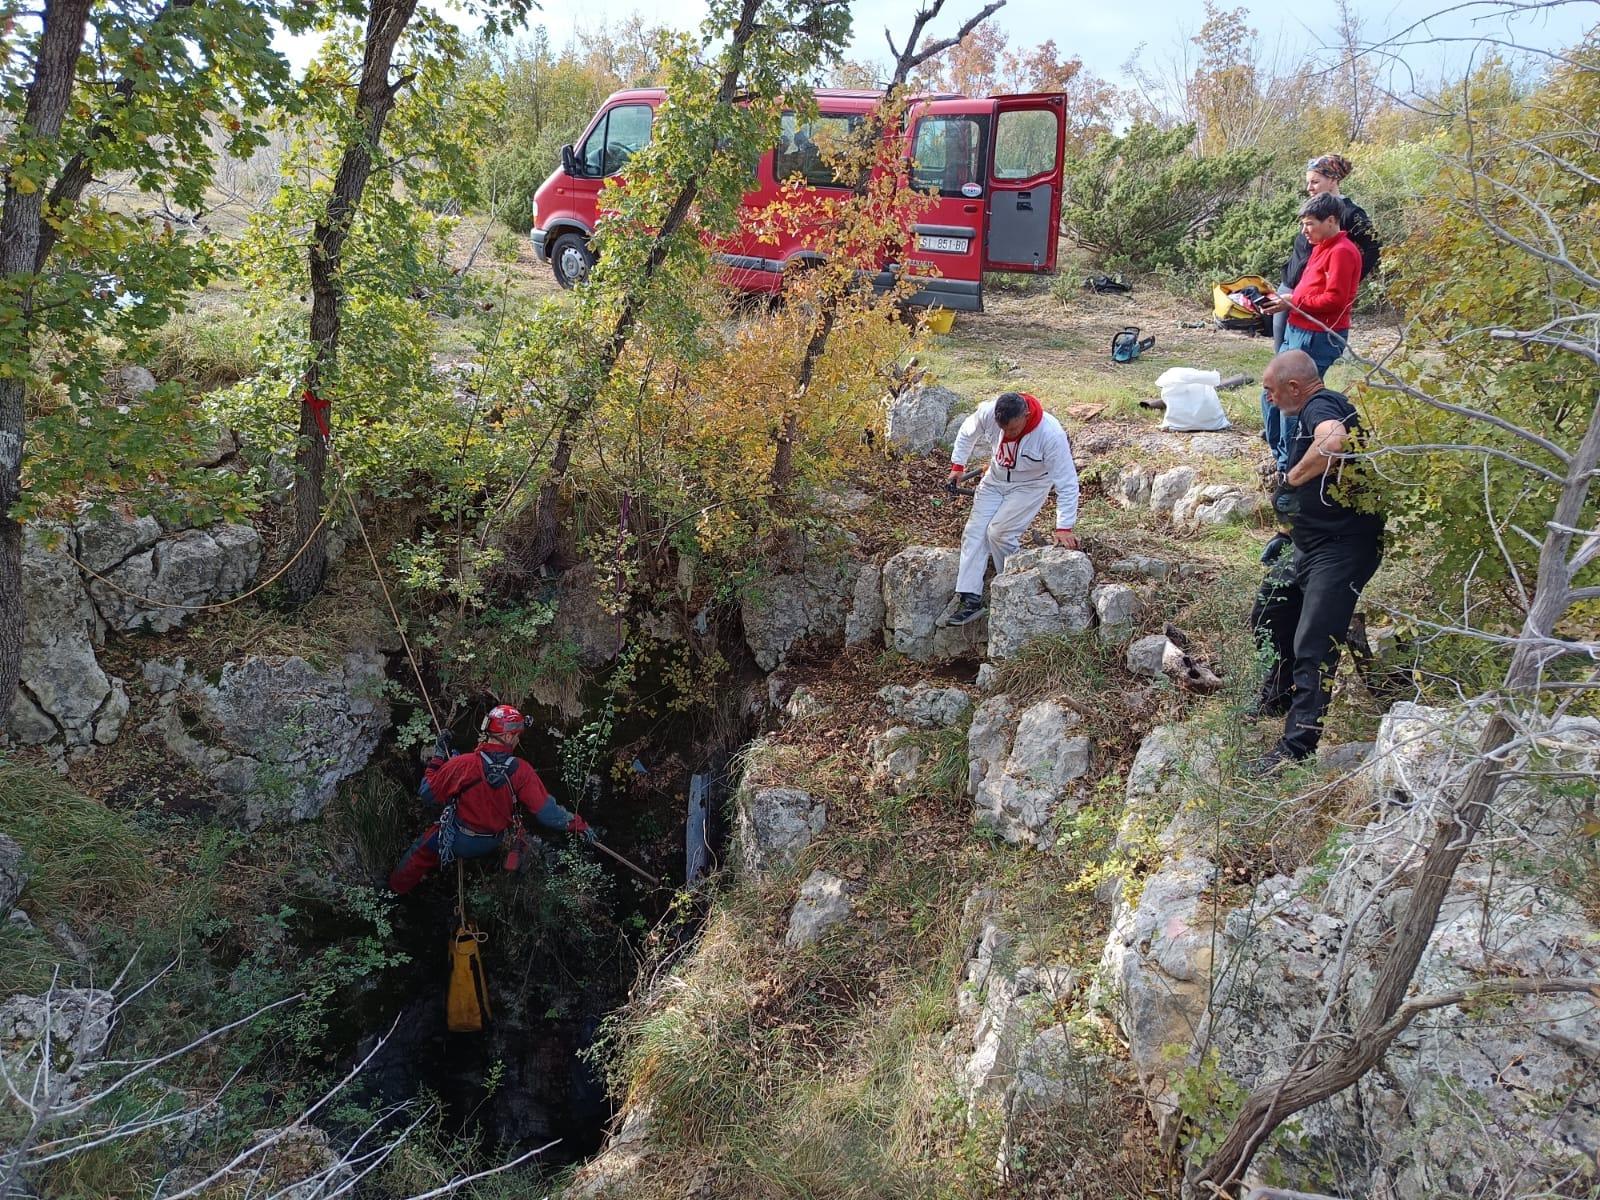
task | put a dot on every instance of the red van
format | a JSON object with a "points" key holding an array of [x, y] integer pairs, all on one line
{"points": [[993, 166]]}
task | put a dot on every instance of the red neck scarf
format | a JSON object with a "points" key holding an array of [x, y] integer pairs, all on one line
{"points": [[1006, 452]]}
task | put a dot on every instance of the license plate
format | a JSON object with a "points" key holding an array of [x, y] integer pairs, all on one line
{"points": [[954, 244]]}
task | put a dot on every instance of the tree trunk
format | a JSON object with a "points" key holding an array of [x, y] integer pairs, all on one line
{"points": [[375, 95], [55, 64], [581, 400], [1311, 1080]]}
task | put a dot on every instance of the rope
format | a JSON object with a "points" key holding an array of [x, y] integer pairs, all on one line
{"points": [[394, 614]]}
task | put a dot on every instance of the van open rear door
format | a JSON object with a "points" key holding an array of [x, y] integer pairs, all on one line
{"points": [[1025, 163]]}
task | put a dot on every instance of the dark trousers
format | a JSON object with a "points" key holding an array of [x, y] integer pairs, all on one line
{"points": [[1301, 615]]}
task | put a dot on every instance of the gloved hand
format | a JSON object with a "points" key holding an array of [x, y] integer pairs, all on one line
{"points": [[953, 484], [580, 827], [1285, 502], [443, 746], [1278, 545]]}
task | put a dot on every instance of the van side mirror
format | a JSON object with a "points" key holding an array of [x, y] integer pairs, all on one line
{"points": [[569, 160]]}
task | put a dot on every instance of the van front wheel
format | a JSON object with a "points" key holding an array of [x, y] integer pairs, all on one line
{"points": [[571, 259]]}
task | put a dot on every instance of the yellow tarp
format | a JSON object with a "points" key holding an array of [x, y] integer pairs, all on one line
{"points": [[1224, 308], [467, 1005]]}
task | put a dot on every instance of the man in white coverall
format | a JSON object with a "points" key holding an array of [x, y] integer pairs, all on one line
{"points": [[1031, 455]]}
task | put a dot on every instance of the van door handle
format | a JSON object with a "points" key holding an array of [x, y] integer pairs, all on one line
{"points": [[971, 208], [1024, 205]]}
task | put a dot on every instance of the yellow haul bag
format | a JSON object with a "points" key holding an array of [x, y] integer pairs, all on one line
{"points": [[467, 1005], [1235, 316]]}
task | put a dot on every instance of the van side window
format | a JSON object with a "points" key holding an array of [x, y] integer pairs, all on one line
{"points": [[804, 147], [1025, 143], [948, 153], [621, 133]]}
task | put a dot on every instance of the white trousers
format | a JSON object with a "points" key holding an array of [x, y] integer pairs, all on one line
{"points": [[1001, 514]]}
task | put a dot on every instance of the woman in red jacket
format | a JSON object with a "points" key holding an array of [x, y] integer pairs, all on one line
{"points": [[1320, 306]]}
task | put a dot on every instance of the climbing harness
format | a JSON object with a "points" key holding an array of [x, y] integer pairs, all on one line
{"points": [[467, 1001]]}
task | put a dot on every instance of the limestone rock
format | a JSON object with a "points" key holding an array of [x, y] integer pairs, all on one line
{"points": [[1132, 486], [896, 758], [167, 572], [803, 704], [1157, 974], [1215, 504], [989, 740], [1147, 655], [1044, 760], [918, 416], [13, 872], [787, 608], [1011, 1000], [865, 620], [582, 620], [612, 1174], [286, 732], [77, 1020], [926, 706], [1141, 566], [1167, 488], [775, 824], [823, 903], [1115, 605], [1041, 592], [63, 691], [133, 381], [918, 584]]}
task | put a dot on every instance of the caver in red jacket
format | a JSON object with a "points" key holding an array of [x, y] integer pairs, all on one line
{"points": [[1326, 292], [479, 792]]}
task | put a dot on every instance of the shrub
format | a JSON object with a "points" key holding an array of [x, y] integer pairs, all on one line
{"points": [[1137, 199], [1249, 238]]}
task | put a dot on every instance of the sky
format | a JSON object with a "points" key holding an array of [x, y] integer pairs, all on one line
{"points": [[1107, 34]]}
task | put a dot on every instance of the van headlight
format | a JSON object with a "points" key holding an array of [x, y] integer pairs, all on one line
{"points": [[536, 214]]}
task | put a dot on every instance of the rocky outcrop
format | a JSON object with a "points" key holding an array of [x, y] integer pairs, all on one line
{"points": [[582, 621], [1463, 1103], [786, 609], [1215, 504], [824, 902], [138, 576], [612, 1174], [918, 584], [1180, 494], [76, 1021], [864, 622], [1156, 966], [13, 873], [925, 705], [1115, 607], [1041, 592], [63, 695], [897, 759], [918, 416], [774, 824], [278, 734], [1019, 1056], [1022, 773], [167, 572]]}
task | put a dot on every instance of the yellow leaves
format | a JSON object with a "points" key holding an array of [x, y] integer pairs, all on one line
{"points": [[24, 185]]}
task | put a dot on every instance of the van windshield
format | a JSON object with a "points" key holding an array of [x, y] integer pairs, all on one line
{"points": [[620, 134], [809, 148], [948, 154]]}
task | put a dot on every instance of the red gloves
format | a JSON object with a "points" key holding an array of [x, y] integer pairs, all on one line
{"points": [[580, 827]]}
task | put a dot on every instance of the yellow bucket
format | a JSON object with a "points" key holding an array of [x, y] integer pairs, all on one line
{"points": [[941, 320]]}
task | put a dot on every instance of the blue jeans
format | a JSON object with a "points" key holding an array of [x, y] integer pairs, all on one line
{"points": [[1324, 349]]}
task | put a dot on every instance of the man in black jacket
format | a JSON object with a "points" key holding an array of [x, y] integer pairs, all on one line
{"points": [[1303, 609]]}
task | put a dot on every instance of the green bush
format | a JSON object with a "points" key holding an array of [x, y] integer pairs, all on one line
{"points": [[1391, 183], [1249, 238], [1138, 199]]}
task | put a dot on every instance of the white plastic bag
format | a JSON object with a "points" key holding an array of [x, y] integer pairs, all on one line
{"points": [[1191, 400]]}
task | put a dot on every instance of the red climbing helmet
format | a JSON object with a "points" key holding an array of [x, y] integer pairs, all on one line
{"points": [[503, 718]]}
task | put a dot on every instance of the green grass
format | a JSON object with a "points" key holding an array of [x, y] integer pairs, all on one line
{"points": [[86, 859]]}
